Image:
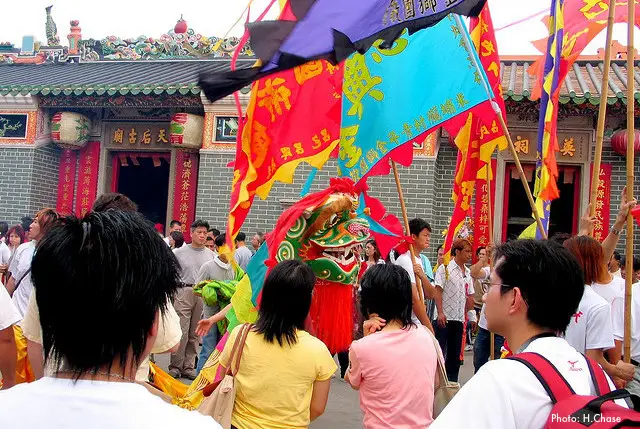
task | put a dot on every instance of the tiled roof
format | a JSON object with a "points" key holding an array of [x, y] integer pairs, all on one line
{"points": [[110, 78], [582, 85]]}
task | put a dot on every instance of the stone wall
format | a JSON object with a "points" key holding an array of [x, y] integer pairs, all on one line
{"points": [[29, 181]]}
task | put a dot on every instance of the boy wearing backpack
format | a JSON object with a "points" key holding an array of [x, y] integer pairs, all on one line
{"points": [[533, 292]]}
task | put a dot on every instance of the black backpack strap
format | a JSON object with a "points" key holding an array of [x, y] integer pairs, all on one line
{"points": [[553, 382]]}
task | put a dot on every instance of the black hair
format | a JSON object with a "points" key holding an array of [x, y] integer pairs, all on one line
{"points": [[560, 237], [215, 231], [636, 263], [439, 247], [376, 251], [26, 222], [542, 269], [199, 223], [285, 302], [4, 228], [480, 249], [221, 239], [174, 223], [114, 200], [386, 290], [417, 225], [178, 238], [241, 236], [126, 282], [209, 238], [616, 256]]}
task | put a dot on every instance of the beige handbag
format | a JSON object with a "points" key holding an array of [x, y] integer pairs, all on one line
{"points": [[219, 404], [446, 389]]}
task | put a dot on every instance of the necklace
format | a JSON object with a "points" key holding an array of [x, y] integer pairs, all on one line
{"points": [[103, 373]]}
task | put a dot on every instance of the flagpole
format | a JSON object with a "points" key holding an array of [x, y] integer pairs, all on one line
{"points": [[503, 124], [602, 113], [631, 102], [403, 207]]}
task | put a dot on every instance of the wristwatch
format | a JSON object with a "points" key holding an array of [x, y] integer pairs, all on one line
{"points": [[616, 231]]}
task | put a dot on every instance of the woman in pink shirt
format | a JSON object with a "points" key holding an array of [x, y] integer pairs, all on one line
{"points": [[394, 365]]}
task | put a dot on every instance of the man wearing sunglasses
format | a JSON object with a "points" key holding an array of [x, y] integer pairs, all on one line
{"points": [[534, 290]]}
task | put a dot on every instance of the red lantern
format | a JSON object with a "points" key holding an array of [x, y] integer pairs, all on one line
{"points": [[619, 142], [181, 26]]}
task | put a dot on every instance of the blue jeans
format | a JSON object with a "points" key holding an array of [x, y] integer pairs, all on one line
{"points": [[482, 348], [210, 340]]}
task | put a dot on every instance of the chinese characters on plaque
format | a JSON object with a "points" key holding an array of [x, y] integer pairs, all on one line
{"points": [[66, 181], [572, 147], [603, 202], [139, 135], [87, 177], [184, 195]]}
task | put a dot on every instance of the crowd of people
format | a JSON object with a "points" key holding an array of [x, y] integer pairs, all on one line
{"points": [[561, 299]]}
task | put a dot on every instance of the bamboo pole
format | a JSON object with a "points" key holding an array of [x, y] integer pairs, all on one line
{"points": [[523, 178], [631, 102], [602, 113], [403, 207]]}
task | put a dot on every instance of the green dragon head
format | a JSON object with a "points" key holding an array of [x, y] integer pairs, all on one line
{"points": [[329, 238]]}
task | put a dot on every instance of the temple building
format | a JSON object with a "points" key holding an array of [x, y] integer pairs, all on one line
{"points": [[82, 117]]}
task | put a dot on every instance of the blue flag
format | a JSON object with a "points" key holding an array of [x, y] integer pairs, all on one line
{"points": [[394, 96]]}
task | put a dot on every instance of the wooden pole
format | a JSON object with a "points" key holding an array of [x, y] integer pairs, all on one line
{"points": [[523, 178], [602, 113], [403, 207], [631, 102]]}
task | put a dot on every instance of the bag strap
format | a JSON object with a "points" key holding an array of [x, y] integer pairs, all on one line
{"points": [[239, 339], [600, 381], [22, 278], [240, 347], [442, 373], [553, 382]]}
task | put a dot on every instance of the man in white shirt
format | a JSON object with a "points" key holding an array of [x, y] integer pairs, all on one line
{"points": [[256, 241], [454, 298], [91, 367], [8, 353], [505, 394], [634, 385], [614, 265], [421, 234], [242, 254], [174, 225]]}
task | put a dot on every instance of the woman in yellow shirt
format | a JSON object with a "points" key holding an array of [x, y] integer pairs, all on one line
{"points": [[284, 374]]}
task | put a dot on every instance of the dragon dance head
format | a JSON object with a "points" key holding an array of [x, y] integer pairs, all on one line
{"points": [[329, 237]]}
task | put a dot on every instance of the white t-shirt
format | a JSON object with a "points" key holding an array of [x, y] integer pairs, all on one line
{"points": [[486, 271], [243, 256], [5, 253], [8, 312], [590, 328], [60, 404], [404, 261], [613, 293], [20, 267], [455, 290], [635, 322], [505, 394]]}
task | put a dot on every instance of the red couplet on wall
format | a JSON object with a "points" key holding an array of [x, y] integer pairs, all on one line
{"points": [[87, 177], [603, 202], [481, 209], [66, 181], [184, 196]]}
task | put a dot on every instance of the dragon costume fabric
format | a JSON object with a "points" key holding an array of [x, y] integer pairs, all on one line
{"points": [[327, 230]]}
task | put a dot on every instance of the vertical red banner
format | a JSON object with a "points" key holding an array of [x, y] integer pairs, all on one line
{"points": [[87, 177], [66, 181], [184, 195], [481, 235], [603, 202]]}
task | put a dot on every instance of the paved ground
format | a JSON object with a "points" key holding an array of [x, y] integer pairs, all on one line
{"points": [[343, 409]]}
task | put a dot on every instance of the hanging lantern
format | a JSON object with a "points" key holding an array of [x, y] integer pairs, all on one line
{"points": [[185, 131], [619, 142], [70, 130]]}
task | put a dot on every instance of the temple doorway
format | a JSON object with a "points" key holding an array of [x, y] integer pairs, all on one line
{"points": [[564, 210], [144, 177]]}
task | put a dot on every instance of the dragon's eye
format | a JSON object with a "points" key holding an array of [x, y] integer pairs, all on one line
{"points": [[332, 221]]}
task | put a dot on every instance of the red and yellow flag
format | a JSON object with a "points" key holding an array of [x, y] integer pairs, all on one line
{"points": [[293, 116], [476, 141]]}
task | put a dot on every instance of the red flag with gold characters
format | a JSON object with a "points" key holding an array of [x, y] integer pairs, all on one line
{"points": [[583, 21], [477, 141], [293, 117]]}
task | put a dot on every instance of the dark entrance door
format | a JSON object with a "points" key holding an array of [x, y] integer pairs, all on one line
{"points": [[564, 210], [145, 179]]}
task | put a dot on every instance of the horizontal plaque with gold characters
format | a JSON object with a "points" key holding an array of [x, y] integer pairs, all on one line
{"points": [[573, 147], [138, 135]]}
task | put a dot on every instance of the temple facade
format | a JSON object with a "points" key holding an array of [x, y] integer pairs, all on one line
{"points": [[85, 117]]}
